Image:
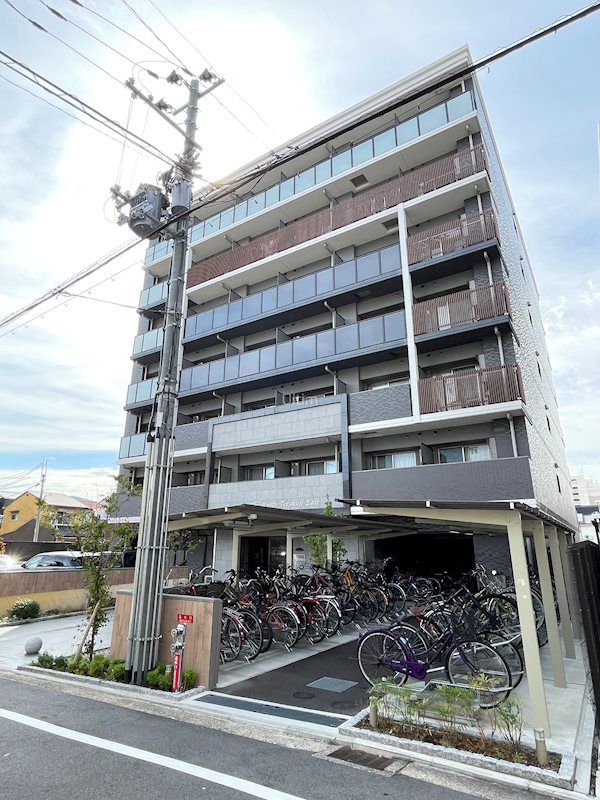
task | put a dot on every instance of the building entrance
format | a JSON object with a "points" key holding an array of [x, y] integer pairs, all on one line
{"points": [[428, 553], [266, 552]]}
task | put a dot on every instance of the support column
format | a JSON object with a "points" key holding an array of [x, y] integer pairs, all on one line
{"points": [[531, 649], [571, 589], [362, 554], [561, 592], [329, 549], [541, 554], [289, 550], [235, 551]]}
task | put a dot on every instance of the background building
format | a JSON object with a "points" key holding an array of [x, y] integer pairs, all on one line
{"points": [[362, 322], [586, 491]]}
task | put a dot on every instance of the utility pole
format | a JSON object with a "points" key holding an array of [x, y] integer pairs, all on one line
{"points": [[146, 213], [38, 514]]}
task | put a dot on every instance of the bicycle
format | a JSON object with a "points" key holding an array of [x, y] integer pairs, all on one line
{"points": [[384, 654]]}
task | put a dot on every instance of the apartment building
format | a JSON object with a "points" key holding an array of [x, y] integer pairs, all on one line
{"points": [[362, 321]]}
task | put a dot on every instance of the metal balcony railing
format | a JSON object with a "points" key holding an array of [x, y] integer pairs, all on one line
{"points": [[460, 308], [470, 388], [451, 236], [441, 172]]}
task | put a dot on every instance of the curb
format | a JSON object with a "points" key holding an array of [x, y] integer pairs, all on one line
{"points": [[14, 623], [114, 687], [534, 779]]}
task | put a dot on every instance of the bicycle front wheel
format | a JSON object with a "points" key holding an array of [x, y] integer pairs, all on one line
{"points": [[285, 626], [467, 662], [375, 651]]}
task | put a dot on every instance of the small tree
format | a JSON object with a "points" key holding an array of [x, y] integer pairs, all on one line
{"points": [[318, 542], [100, 537]]}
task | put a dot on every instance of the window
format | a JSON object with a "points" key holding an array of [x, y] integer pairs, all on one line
{"points": [[14, 515], [558, 484], [548, 423], [261, 473], [321, 467], [479, 451], [385, 383], [401, 459]]}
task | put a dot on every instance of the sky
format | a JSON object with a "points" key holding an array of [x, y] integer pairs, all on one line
{"points": [[287, 66]]}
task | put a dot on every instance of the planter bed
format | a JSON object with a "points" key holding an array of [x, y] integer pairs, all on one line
{"points": [[357, 730]]}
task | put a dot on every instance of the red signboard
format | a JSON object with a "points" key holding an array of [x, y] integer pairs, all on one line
{"points": [[185, 617], [176, 671]]}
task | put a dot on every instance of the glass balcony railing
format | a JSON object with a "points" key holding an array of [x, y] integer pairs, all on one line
{"points": [[154, 294], [132, 446], [158, 250], [361, 152], [139, 392], [323, 346], [148, 341], [324, 283]]}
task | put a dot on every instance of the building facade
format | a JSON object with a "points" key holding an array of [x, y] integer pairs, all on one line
{"points": [[362, 322], [586, 491]]}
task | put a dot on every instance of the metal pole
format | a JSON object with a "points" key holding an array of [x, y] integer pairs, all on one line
{"points": [[144, 624], [38, 513]]}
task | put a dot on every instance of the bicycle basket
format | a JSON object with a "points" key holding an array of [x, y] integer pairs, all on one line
{"points": [[463, 624]]}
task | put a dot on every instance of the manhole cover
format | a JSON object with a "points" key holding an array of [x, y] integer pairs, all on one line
{"points": [[361, 758], [340, 704], [303, 695]]}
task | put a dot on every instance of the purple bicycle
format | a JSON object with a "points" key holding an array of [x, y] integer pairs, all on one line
{"points": [[385, 654]]}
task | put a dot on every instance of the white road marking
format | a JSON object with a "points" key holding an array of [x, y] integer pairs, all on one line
{"points": [[241, 785]]}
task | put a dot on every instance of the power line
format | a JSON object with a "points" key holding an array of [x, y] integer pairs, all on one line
{"points": [[202, 56], [63, 94], [63, 111], [41, 28], [119, 28], [257, 173], [99, 300], [64, 302], [62, 17], [157, 37]]}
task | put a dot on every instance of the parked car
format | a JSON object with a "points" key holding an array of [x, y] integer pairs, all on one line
{"points": [[58, 559], [6, 563]]}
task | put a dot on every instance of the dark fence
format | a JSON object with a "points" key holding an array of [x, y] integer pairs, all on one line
{"points": [[585, 562]]}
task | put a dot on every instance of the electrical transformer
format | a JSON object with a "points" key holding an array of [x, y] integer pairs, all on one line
{"points": [[146, 208]]}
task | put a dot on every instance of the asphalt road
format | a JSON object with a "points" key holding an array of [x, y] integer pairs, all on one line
{"points": [[60, 744]]}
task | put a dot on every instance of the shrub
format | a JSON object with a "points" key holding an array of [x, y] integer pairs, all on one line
{"points": [[165, 682], [25, 608], [98, 666], [44, 660], [190, 678], [154, 675], [116, 670], [60, 663]]}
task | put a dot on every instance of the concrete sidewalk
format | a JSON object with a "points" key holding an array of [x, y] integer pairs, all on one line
{"points": [[59, 636]]}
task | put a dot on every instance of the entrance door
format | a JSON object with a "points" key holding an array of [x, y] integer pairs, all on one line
{"points": [[266, 552]]}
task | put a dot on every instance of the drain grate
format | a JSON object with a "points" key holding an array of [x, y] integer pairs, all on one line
{"points": [[361, 758]]}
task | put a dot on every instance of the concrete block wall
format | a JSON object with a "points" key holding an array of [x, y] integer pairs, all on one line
{"points": [[277, 427], [307, 493], [379, 404]]}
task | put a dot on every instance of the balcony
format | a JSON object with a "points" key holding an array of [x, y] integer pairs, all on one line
{"points": [[361, 342], [460, 308], [193, 436], [297, 295], [158, 251], [450, 241], [147, 343], [497, 479], [133, 446], [154, 295], [470, 388], [439, 173], [303, 492], [357, 155], [375, 405], [141, 393]]}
